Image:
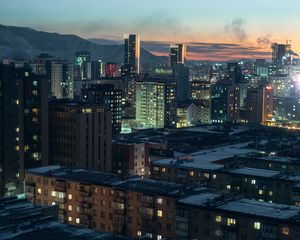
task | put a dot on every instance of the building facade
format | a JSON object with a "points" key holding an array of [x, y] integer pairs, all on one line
{"points": [[80, 136]]}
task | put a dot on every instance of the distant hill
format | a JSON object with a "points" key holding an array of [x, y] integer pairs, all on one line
{"points": [[28, 43]]}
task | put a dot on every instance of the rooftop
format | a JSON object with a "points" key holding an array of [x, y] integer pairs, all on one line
{"points": [[101, 178], [254, 172], [21, 220], [262, 209], [209, 158], [149, 186], [238, 205], [272, 158], [77, 174]]}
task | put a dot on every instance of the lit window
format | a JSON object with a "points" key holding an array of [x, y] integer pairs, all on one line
{"points": [[192, 173], [218, 219], [69, 196], [139, 233], [253, 181], [260, 192], [270, 193], [70, 207], [214, 176], [163, 169], [206, 175], [53, 203], [17, 148], [256, 225], [70, 219], [231, 221], [39, 191], [159, 213], [53, 194], [159, 237], [228, 187], [160, 201], [285, 230], [77, 220], [270, 165], [77, 209]]}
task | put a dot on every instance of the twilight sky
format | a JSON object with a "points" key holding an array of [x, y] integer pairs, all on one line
{"points": [[210, 25]]}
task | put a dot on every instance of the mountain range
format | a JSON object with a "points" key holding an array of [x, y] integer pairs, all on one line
{"points": [[27, 43]]}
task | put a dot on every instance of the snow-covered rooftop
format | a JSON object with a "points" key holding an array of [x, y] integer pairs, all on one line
{"points": [[262, 209], [208, 158], [254, 172]]}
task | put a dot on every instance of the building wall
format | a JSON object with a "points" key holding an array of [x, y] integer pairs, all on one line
{"points": [[135, 213], [130, 159], [80, 136], [252, 187], [24, 124], [209, 223], [104, 207], [151, 104]]}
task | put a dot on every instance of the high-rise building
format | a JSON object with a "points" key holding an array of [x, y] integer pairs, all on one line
{"points": [[225, 102], [281, 54], [177, 54], [62, 82], [200, 90], [82, 65], [156, 104], [23, 125], [287, 108], [132, 54], [181, 78], [112, 70], [80, 135], [97, 70], [110, 98], [234, 71], [282, 85], [10, 129], [259, 105], [35, 121], [42, 66], [82, 72]]}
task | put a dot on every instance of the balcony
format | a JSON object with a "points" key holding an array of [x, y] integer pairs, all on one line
{"points": [[62, 212], [147, 204], [29, 191], [147, 216], [60, 200], [60, 186], [266, 235], [119, 211], [181, 233], [181, 219], [85, 221], [85, 191], [86, 205]]}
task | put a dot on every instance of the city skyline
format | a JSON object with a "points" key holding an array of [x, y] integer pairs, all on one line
{"points": [[244, 30]]}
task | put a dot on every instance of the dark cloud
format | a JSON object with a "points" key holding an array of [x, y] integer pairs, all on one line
{"points": [[208, 51], [236, 27]]}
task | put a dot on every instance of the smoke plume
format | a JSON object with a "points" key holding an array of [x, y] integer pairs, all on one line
{"points": [[236, 27]]}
